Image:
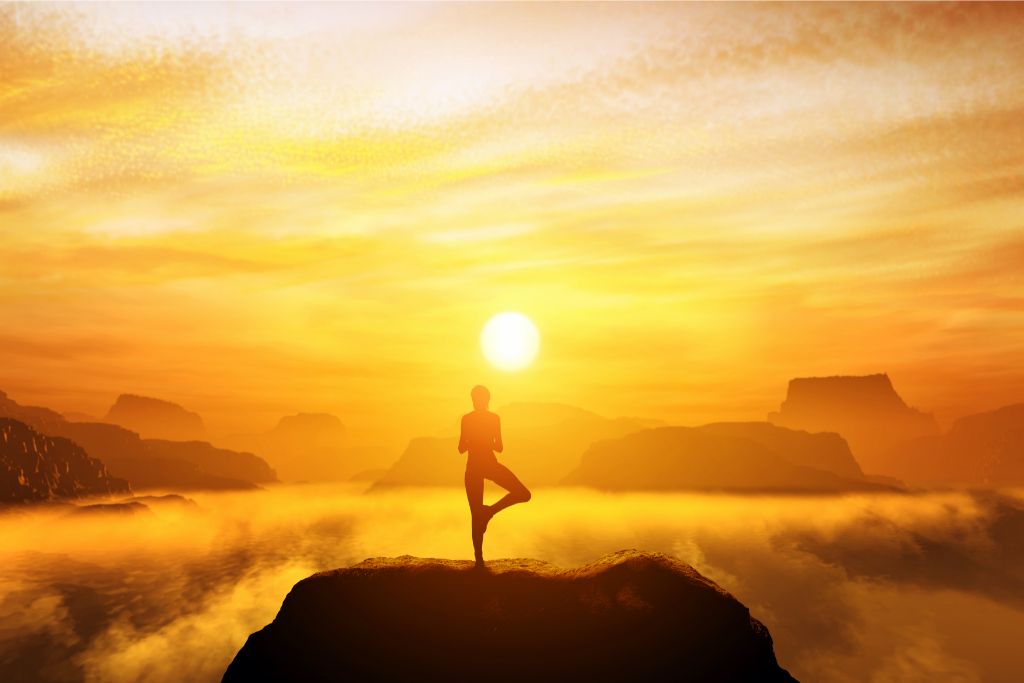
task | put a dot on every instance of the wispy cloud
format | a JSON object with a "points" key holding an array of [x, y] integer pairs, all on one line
{"points": [[753, 191]]}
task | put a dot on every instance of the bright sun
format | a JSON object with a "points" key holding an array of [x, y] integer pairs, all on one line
{"points": [[510, 341]]}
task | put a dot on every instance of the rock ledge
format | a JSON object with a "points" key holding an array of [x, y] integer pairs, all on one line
{"points": [[629, 616]]}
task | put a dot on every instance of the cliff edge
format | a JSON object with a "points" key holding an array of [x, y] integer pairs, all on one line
{"points": [[629, 616]]}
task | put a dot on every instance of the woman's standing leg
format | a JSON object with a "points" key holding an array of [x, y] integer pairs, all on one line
{"points": [[475, 496]]}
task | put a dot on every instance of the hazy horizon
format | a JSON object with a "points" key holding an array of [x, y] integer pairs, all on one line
{"points": [[253, 210], [661, 213]]}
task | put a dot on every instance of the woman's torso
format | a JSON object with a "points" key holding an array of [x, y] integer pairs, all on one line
{"points": [[479, 430]]}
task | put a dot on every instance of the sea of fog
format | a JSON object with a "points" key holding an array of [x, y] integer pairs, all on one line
{"points": [[926, 587]]}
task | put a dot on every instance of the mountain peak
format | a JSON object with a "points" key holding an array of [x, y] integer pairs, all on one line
{"points": [[156, 418], [865, 410]]}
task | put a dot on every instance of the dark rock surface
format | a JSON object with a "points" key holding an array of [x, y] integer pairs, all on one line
{"points": [[155, 418], [169, 499], [35, 467], [864, 410], [631, 616], [720, 457]]}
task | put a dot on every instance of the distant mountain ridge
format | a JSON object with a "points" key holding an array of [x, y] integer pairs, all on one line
{"points": [[148, 463], [724, 456], [311, 447], [155, 418], [984, 449], [543, 443], [36, 467], [552, 444], [864, 410]]}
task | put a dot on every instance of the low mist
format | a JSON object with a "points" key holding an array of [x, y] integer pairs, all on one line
{"points": [[853, 588]]}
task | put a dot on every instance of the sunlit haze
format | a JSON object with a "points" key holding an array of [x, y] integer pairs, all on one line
{"points": [[253, 210], [510, 341], [624, 341]]}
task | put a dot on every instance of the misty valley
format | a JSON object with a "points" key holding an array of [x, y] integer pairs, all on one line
{"points": [[157, 559], [855, 587]]}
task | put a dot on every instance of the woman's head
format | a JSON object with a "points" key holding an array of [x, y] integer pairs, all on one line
{"points": [[481, 397]]}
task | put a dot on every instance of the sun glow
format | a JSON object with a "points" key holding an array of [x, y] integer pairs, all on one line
{"points": [[510, 341]]}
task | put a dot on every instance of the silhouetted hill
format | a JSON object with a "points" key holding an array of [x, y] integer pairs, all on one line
{"points": [[125, 509], [311, 447], [155, 418], [823, 451], [35, 467], [986, 449], [543, 443], [220, 462], [718, 457], [148, 464], [368, 475], [864, 410], [630, 616], [76, 416], [41, 419], [168, 499], [426, 461]]}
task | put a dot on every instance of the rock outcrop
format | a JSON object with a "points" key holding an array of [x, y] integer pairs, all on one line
{"points": [[127, 509], [154, 418], [631, 616], [148, 463], [740, 457], [982, 450], [864, 410], [543, 443], [35, 467]]}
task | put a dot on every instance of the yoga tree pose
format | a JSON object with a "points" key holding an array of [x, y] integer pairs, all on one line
{"points": [[481, 436]]}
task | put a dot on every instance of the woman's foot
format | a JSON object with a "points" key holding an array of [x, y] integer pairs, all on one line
{"points": [[486, 514]]}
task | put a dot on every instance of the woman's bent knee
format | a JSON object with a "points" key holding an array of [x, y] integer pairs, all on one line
{"points": [[525, 495]]}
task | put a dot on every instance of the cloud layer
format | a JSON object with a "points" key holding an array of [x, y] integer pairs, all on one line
{"points": [[891, 588]]}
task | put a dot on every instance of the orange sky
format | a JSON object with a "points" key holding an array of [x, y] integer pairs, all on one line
{"points": [[259, 209]]}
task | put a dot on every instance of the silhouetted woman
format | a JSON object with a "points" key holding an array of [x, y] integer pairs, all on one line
{"points": [[481, 436]]}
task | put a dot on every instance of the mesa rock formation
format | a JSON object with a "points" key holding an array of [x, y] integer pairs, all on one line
{"points": [[735, 457], [629, 616], [864, 410]]}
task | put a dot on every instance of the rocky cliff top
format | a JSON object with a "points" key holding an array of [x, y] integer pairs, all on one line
{"points": [[629, 616]]}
